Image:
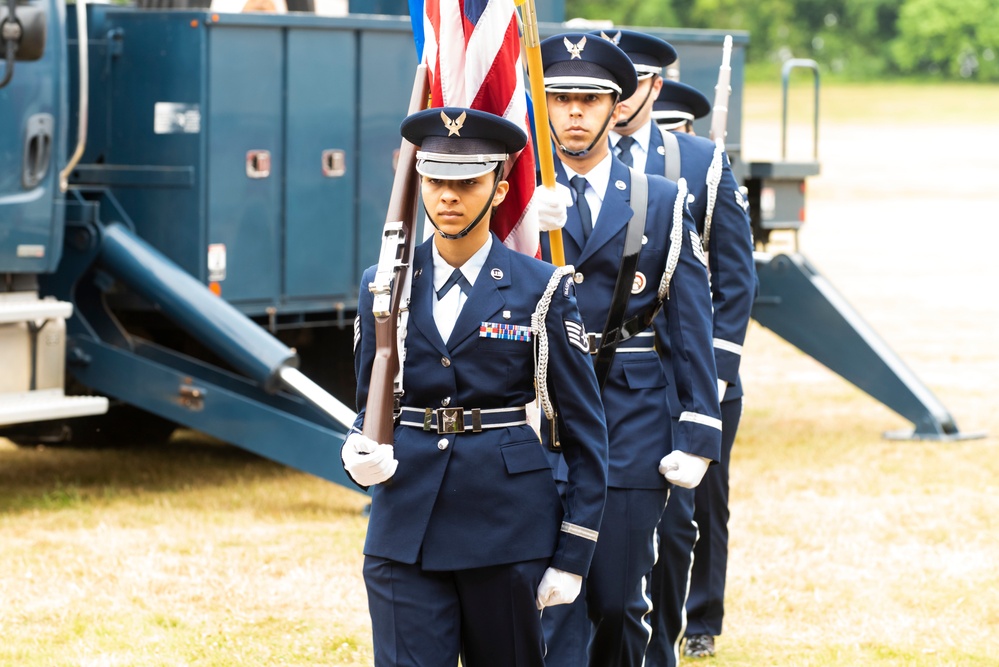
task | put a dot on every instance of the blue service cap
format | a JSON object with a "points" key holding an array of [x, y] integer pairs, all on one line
{"points": [[458, 143], [577, 62], [649, 54], [677, 103]]}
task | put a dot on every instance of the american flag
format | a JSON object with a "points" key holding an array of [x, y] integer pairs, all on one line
{"points": [[472, 50]]}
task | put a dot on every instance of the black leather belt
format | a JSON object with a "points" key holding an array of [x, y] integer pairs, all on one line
{"points": [[462, 420]]}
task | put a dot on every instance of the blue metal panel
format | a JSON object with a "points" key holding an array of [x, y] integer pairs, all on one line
{"points": [[245, 113], [34, 105], [156, 172], [279, 427], [319, 207], [388, 65]]}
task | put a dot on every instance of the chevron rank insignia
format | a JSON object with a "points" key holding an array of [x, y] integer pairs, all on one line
{"points": [[505, 331], [576, 334], [741, 201], [357, 331], [695, 241]]}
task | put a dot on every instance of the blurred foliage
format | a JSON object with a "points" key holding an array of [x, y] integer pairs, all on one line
{"points": [[851, 39]]}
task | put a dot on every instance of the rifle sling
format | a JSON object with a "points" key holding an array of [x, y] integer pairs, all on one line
{"points": [[672, 154], [625, 276]]}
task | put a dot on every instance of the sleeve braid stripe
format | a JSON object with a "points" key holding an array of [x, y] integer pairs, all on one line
{"points": [[579, 531]]}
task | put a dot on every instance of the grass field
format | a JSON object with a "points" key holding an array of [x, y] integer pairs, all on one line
{"points": [[846, 548]]}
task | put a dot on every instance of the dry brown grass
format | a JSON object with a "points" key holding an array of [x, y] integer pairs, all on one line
{"points": [[197, 554], [847, 549]]}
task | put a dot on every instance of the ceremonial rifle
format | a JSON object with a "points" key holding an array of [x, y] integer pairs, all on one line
{"points": [[719, 128], [542, 134], [391, 286]]}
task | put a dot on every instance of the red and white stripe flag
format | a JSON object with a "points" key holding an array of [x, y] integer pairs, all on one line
{"points": [[472, 50]]}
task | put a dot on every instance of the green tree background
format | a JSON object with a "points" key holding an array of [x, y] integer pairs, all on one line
{"points": [[852, 39]]}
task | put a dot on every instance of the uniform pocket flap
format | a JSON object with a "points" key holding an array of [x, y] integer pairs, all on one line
{"points": [[524, 457], [644, 374]]}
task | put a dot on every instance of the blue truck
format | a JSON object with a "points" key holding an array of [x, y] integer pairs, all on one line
{"points": [[188, 199]]}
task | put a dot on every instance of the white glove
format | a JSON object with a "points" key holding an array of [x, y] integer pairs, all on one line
{"points": [[366, 461], [722, 386], [552, 204], [683, 469], [558, 587]]}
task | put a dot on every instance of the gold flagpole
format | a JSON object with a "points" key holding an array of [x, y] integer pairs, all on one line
{"points": [[542, 134]]}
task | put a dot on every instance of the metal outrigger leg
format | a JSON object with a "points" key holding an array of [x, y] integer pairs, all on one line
{"points": [[798, 304]]}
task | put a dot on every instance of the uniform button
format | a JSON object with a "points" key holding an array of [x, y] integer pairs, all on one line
{"points": [[445, 362], [577, 278], [446, 401], [442, 444]]}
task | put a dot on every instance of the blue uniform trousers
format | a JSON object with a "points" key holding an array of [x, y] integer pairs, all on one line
{"points": [[423, 618], [706, 603], [615, 591], [693, 556]]}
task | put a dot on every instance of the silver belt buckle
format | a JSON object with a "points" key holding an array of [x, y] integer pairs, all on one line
{"points": [[450, 420], [594, 340]]}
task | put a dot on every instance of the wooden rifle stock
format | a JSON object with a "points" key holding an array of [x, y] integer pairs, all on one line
{"points": [[392, 279]]}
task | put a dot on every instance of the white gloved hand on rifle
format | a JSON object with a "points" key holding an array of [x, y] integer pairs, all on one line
{"points": [[558, 587], [552, 205], [683, 469], [366, 461]]}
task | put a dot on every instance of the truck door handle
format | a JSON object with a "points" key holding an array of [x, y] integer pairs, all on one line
{"points": [[334, 163], [37, 149], [258, 164]]}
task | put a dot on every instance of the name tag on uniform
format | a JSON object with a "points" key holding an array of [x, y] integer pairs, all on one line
{"points": [[505, 331]]}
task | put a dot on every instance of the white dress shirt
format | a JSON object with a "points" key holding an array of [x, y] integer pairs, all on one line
{"points": [[640, 149], [446, 310], [597, 180]]}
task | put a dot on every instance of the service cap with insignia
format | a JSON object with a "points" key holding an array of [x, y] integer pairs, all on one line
{"points": [[577, 62], [457, 143], [649, 54], [678, 103]]}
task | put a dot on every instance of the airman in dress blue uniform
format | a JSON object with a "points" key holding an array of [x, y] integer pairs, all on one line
{"points": [[734, 288], [585, 77], [717, 205], [468, 538]]}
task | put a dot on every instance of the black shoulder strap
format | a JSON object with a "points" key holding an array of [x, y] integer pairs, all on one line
{"points": [[625, 276], [672, 152]]}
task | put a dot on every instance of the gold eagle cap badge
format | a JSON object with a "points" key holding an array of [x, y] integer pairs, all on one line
{"points": [[453, 126], [575, 50]]}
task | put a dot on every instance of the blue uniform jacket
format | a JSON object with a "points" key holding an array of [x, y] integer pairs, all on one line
{"points": [[635, 395], [730, 251], [479, 499]]}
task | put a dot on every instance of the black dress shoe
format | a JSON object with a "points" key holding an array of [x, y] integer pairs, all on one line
{"points": [[699, 646]]}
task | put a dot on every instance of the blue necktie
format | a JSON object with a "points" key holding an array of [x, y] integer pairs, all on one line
{"points": [[456, 278], [579, 184], [624, 144]]}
